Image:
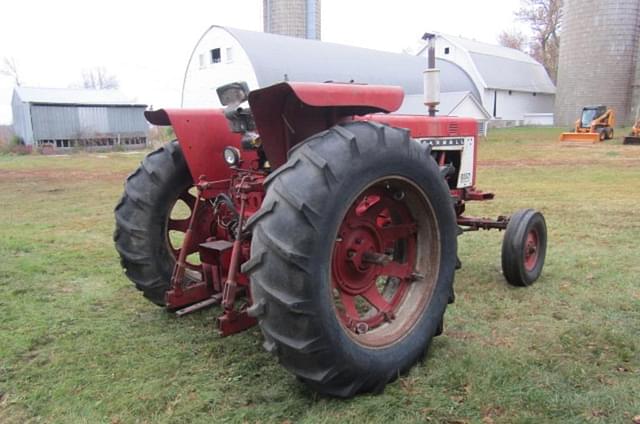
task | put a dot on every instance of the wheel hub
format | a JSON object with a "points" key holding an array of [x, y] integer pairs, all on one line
{"points": [[356, 271], [374, 259], [531, 250]]}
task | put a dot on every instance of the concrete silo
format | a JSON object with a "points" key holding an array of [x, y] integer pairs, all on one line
{"points": [[295, 18], [599, 58]]}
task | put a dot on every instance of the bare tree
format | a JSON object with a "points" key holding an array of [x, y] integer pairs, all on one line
{"points": [[10, 69], [99, 79], [513, 39], [544, 19]]}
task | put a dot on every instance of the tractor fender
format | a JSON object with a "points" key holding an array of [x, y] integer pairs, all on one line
{"points": [[203, 134], [289, 112]]}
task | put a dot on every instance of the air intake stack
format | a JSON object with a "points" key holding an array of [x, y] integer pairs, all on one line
{"points": [[431, 76]]}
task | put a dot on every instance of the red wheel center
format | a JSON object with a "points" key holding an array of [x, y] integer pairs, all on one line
{"points": [[373, 259], [356, 272], [531, 250]]}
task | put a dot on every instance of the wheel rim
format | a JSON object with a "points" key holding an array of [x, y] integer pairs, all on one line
{"points": [[176, 227], [385, 262], [531, 250]]}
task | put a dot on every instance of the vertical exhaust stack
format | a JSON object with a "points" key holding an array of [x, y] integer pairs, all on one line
{"points": [[431, 76]]}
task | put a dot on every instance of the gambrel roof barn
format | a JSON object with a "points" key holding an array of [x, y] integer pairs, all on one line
{"points": [[510, 82]]}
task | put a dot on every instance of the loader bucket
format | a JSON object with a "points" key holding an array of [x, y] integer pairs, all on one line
{"points": [[630, 139], [580, 137]]}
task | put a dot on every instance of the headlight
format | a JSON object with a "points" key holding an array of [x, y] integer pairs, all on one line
{"points": [[231, 155]]}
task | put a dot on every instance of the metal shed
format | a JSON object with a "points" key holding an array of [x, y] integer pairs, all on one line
{"points": [[65, 118], [224, 55]]}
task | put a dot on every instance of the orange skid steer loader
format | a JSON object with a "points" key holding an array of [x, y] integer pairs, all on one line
{"points": [[595, 124], [634, 137]]}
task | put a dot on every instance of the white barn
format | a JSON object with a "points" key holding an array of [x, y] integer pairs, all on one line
{"points": [[512, 85], [456, 103], [224, 55]]}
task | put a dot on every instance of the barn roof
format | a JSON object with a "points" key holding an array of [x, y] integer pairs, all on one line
{"points": [[504, 68], [72, 96], [276, 58]]}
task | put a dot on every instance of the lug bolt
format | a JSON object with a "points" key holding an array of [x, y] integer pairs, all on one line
{"points": [[361, 328], [416, 276], [398, 195]]}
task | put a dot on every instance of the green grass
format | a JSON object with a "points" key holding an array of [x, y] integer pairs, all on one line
{"points": [[79, 344]]}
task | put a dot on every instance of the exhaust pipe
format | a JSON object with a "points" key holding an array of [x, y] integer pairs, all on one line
{"points": [[431, 76]]}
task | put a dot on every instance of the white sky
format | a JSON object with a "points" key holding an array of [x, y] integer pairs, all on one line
{"points": [[146, 44]]}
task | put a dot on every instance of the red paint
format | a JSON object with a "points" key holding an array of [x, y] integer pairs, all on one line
{"points": [[288, 113], [359, 257], [531, 248], [203, 134], [440, 126]]}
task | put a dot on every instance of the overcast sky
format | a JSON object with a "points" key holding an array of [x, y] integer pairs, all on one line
{"points": [[146, 44]]}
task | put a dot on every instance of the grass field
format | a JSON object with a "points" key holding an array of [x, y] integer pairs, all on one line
{"points": [[79, 344]]}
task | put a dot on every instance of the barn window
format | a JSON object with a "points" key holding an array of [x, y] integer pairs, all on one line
{"points": [[215, 56], [229, 54], [446, 50], [201, 61]]}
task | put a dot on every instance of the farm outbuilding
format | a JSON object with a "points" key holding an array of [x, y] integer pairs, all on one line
{"points": [[224, 55], [65, 118], [511, 83]]}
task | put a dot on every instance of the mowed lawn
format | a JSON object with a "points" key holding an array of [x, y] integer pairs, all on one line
{"points": [[79, 344]]}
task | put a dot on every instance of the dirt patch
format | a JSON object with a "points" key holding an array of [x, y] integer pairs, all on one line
{"points": [[537, 163], [61, 174]]}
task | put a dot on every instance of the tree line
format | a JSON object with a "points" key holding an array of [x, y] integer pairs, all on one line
{"points": [[544, 18]]}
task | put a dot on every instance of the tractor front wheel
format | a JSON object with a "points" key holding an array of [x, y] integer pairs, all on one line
{"points": [[353, 257], [524, 247]]}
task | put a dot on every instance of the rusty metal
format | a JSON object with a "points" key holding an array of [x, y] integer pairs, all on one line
{"points": [[532, 247], [360, 258], [213, 300], [475, 223], [230, 286], [177, 279]]}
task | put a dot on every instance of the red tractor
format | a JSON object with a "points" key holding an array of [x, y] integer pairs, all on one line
{"points": [[320, 217]]}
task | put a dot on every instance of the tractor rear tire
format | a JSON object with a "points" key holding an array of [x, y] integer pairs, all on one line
{"points": [[312, 209], [524, 247], [141, 216]]}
